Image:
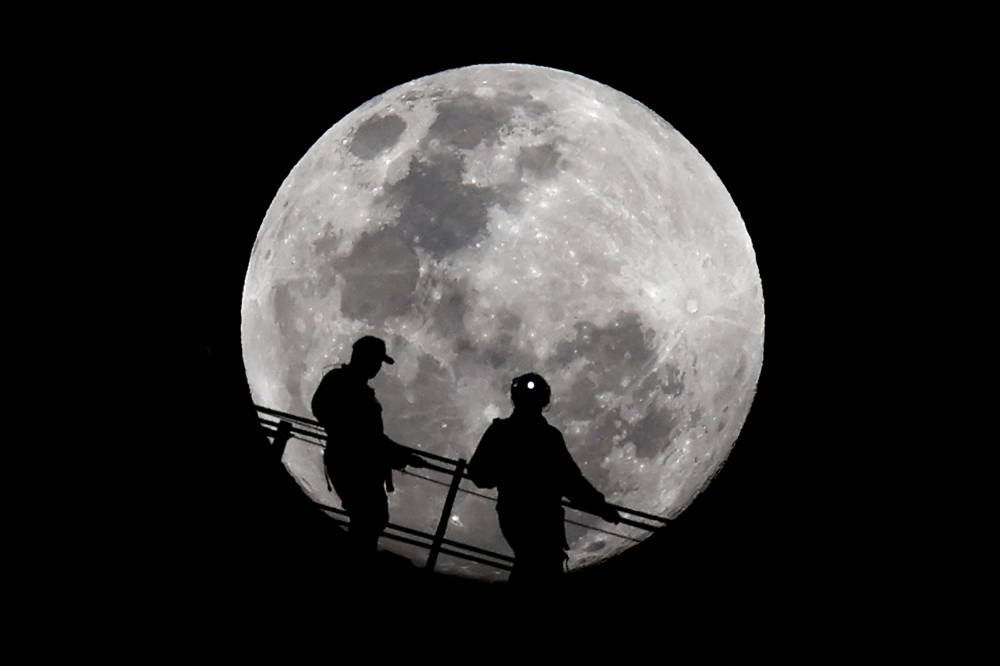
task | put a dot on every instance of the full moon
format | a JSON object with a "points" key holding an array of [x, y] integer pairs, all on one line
{"points": [[495, 220]]}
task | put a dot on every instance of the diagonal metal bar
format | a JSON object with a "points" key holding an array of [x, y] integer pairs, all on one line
{"points": [[449, 502]]}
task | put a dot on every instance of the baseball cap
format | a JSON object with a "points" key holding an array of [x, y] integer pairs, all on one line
{"points": [[372, 346]]}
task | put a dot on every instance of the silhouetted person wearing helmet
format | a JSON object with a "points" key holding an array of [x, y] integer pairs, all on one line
{"points": [[526, 459], [359, 457]]}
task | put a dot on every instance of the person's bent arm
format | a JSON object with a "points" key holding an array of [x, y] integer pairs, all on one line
{"points": [[483, 466], [400, 457], [581, 492]]}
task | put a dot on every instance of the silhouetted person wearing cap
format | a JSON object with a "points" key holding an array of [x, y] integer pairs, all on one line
{"points": [[526, 459], [359, 457]]}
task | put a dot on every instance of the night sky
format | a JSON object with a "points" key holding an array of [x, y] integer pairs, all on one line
{"points": [[763, 529]]}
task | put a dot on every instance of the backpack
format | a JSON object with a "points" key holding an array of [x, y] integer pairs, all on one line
{"points": [[324, 396], [321, 400]]}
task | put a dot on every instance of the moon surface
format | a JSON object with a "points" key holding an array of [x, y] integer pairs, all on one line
{"points": [[494, 220]]}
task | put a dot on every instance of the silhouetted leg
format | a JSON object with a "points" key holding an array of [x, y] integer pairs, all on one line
{"points": [[537, 569], [364, 537], [368, 520], [538, 557]]}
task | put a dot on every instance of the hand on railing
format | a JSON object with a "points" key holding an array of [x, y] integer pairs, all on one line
{"points": [[416, 461], [610, 514]]}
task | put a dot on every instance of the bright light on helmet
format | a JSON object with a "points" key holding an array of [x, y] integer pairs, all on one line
{"points": [[530, 390]]}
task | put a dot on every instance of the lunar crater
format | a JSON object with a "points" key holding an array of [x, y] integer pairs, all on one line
{"points": [[376, 135]]}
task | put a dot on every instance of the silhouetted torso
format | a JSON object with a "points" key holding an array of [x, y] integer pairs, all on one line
{"points": [[359, 457], [526, 459]]}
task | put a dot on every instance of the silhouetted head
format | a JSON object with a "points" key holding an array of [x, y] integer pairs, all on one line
{"points": [[530, 392], [368, 354]]}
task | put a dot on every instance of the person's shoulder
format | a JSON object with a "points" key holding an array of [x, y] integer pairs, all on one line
{"points": [[337, 374], [335, 380], [497, 426], [553, 432]]}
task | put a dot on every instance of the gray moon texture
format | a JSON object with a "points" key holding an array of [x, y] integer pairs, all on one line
{"points": [[494, 220]]}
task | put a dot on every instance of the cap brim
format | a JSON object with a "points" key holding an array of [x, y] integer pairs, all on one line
{"points": [[388, 359]]}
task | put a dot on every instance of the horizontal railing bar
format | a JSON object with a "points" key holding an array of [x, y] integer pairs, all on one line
{"points": [[384, 535], [636, 523], [446, 551], [436, 468], [476, 549], [443, 470], [602, 531], [391, 526], [320, 436], [483, 551], [567, 504], [429, 537], [288, 417], [315, 439], [641, 514], [433, 456], [623, 520], [624, 509], [473, 558]]}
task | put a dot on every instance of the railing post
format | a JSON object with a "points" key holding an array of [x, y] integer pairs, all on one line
{"points": [[281, 438], [449, 502]]}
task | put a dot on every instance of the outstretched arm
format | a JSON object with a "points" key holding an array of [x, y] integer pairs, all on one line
{"points": [[400, 457], [578, 490]]}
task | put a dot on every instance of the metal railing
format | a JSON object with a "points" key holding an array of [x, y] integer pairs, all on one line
{"points": [[282, 427]]}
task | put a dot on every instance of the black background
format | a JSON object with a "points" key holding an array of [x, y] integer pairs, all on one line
{"points": [[776, 533]]}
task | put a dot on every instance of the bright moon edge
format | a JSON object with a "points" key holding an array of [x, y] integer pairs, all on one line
{"points": [[498, 219]]}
